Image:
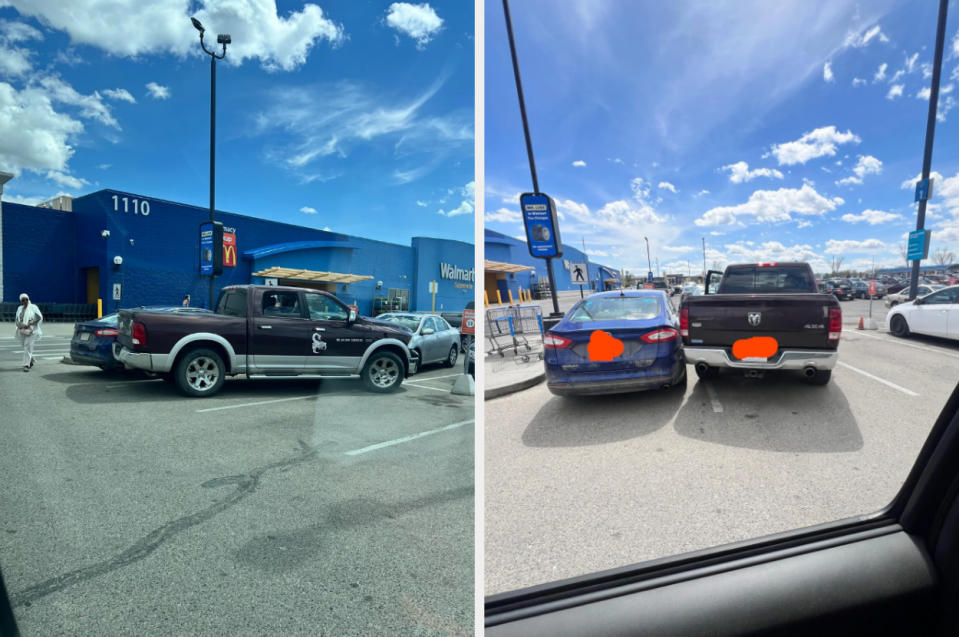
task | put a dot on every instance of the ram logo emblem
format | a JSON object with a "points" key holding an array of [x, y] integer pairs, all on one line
{"points": [[754, 318]]}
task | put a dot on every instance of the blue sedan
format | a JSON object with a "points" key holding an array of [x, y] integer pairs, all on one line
{"points": [[92, 342], [615, 342]]}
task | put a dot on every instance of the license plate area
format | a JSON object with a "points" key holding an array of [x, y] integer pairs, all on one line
{"points": [[85, 336]]}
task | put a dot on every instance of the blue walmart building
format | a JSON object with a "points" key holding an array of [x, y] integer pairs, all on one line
{"points": [[508, 267], [146, 251]]}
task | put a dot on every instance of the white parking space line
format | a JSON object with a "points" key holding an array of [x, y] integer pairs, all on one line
{"points": [[714, 398], [447, 390], [913, 346], [399, 441], [261, 402], [444, 376], [908, 392]]}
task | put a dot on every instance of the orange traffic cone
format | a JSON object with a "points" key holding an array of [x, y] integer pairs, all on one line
{"points": [[860, 323]]}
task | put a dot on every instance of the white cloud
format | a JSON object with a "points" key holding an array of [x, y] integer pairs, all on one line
{"points": [[872, 217], [739, 172], [14, 61], [18, 31], [820, 142], [665, 185], [895, 91], [119, 94], [421, 204], [911, 62], [867, 165], [827, 74], [863, 38], [468, 192], [330, 120], [749, 252], [898, 74], [834, 246], [418, 21], [308, 210], [858, 81], [701, 193], [465, 208], [677, 249], [579, 163], [615, 160], [804, 224], [157, 91], [503, 215], [91, 106], [910, 184], [772, 205], [944, 107], [64, 179], [881, 72], [258, 32], [32, 135]]}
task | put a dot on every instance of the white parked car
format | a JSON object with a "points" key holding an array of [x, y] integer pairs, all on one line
{"points": [[434, 339], [935, 314]]}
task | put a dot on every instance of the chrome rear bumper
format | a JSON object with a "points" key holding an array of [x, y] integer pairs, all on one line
{"points": [[783, 359]]}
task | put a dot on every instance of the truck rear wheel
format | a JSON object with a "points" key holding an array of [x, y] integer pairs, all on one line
{"points": [[200, 372], [383, 372]]}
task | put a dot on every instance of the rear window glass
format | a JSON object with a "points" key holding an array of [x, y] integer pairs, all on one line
{"points": [[615, 308], [767, 280], [233, 303]]}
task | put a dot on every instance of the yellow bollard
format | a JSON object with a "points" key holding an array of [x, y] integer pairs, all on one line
{"points": [[99, 308], [486, 298], [499, 298], [510, 292]]}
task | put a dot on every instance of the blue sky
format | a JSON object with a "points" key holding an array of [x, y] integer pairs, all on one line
{"points": [[776, 130], [348, 115]]}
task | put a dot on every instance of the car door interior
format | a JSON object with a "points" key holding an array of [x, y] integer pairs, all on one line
{"points": [[894, 572]]}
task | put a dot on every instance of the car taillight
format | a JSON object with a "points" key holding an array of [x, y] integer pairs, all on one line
{"points": [[684, 322], [552, 341], [139, 334], [107, 331], [835, 323], [660, 336]]}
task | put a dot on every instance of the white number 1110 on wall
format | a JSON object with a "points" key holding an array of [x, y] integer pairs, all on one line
{"points": [[140, 206]]}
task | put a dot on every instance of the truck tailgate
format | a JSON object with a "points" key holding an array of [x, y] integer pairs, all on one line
{"points": [[799, 321]]}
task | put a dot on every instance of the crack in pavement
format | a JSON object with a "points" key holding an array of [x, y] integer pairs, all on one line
{"points": [[246, 485]]}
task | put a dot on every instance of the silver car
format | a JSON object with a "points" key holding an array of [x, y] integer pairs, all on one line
{"points": [[903, 295], [433, 338]]}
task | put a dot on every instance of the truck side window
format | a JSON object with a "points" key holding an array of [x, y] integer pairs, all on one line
{"points": [[286, 304], [324, 308], [233, 304]]}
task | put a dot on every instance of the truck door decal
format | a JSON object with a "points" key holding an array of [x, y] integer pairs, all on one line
{"points": [[319, 344]]}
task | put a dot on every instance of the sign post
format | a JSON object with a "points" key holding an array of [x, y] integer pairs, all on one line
{"points": [[432, 289], [542, 234], [464, 384]]}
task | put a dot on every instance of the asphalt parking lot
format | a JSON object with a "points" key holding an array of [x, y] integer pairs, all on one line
{"points": [[274, 507], [578, 485]]}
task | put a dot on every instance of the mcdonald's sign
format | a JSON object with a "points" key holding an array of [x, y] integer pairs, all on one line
{"points": [[229, 249]]}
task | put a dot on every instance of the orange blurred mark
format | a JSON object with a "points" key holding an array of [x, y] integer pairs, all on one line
{"points": [[603, 346], [755, 347]]}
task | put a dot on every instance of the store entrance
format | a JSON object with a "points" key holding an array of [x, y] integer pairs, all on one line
{"points": [[93, 284], [313, 285]]}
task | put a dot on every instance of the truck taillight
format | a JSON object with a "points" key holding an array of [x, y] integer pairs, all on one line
{"points": [[835, 323], [766, 265], [552, 341], [139, 334], [684, 322]]}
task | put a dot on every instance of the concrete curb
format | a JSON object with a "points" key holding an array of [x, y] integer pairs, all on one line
{"points": [[512, 388]]}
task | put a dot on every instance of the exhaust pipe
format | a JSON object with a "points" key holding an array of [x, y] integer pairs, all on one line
{"points": [[702, 367], [809, 371], [753, 373]]}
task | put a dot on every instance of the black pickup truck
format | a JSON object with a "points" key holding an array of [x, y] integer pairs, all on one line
{"points": [[266, 332], [777, 300]]}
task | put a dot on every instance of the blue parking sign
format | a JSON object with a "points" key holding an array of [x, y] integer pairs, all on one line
{"points": [[542, 229], [918, 245]]}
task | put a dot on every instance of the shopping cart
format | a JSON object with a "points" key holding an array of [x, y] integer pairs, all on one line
{"points": [[508, 327]]}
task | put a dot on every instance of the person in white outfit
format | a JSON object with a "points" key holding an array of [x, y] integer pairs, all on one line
{"points": [[28, 320]]}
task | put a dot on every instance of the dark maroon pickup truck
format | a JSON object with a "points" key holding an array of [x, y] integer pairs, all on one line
{"points": [[266, 332], [774, 300]]}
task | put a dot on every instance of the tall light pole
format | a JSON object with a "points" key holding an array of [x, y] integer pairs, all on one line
{"points": [[223, 39], [704, 260], [649, 261], [930, 135]]}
